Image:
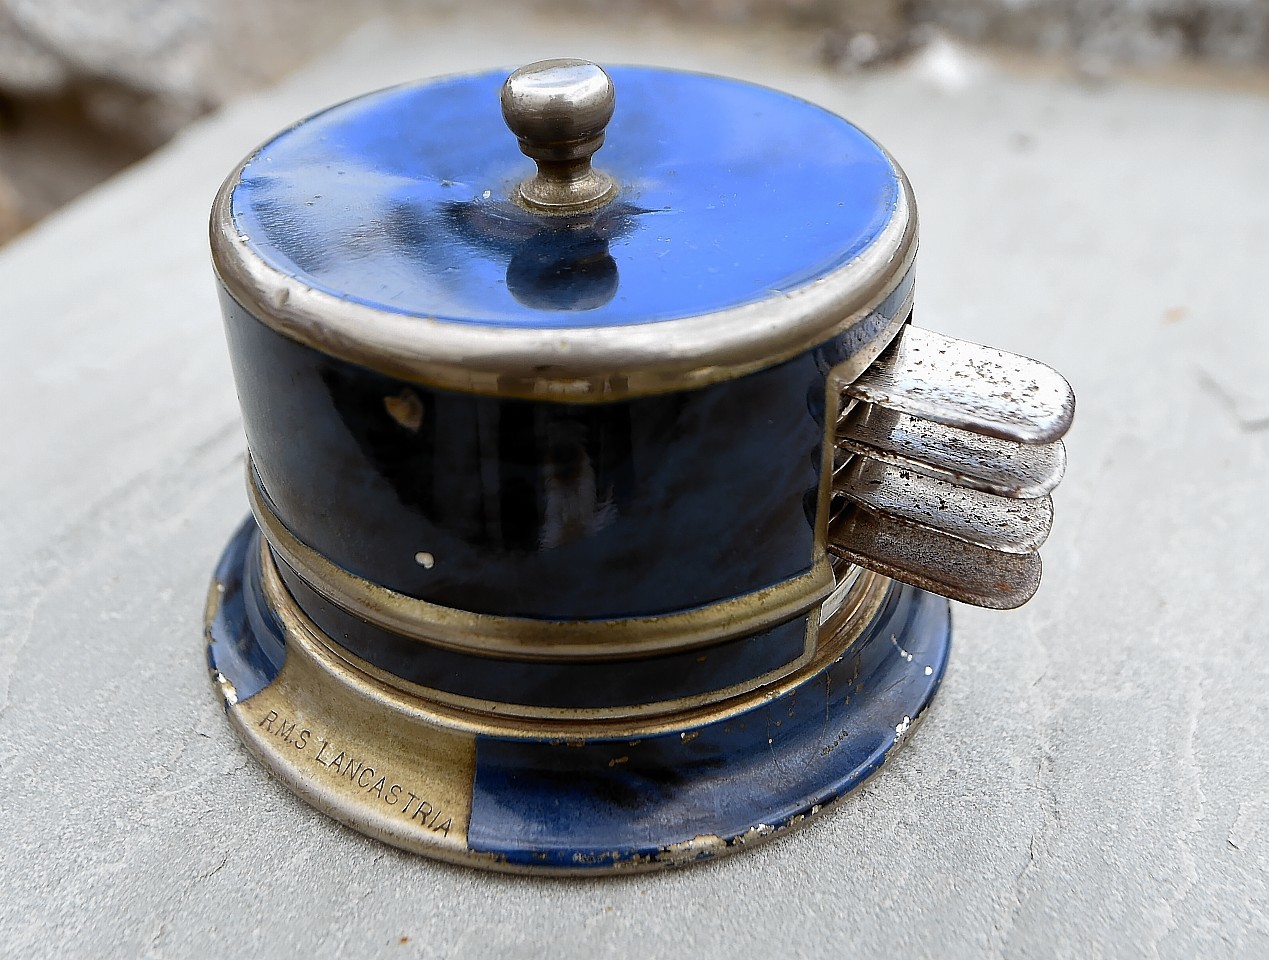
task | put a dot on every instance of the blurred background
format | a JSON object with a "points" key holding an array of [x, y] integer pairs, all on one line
{"points": [[89, 86]]}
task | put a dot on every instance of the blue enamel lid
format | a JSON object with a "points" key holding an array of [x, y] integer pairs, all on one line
{"points": [[747, 221]]}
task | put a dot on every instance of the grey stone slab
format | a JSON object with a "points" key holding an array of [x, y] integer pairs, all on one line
{"points": [[1092, 780]]}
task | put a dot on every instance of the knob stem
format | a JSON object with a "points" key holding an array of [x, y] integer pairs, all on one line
{"points": [[558, 110]]}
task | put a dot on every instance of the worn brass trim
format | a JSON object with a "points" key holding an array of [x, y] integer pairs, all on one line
{"points": [[319, 711], [826, 642], [311, 713], [525, 638], [574, 365]]}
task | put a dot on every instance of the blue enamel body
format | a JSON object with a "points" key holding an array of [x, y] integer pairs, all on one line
{"points": [[399, 200]]}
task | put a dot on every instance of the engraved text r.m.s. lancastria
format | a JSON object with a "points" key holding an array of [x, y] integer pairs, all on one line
{"points": [[359, 772]]}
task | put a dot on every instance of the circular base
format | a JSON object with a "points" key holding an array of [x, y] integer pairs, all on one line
{"points": [[388, 765]]}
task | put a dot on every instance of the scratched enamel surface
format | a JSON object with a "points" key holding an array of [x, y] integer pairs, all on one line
{"points": [[536, 509], [595, 805], [730, 194], [705, 791]]}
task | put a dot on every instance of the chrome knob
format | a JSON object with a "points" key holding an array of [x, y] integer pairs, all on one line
{"points": [[558, 110]]}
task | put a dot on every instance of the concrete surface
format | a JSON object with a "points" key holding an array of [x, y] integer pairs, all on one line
{"points": [[89, 86], [1091, 782]]}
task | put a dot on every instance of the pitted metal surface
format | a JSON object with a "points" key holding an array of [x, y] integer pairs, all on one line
{"points": [[998, 523], [936, 561], [1002, 467], [915, 521], [974, 388]]}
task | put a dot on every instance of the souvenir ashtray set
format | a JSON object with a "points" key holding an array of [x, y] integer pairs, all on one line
{"points": [[605, 499]]}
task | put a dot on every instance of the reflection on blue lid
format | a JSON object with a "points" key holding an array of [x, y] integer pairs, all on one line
{"points": [[730, 194]]}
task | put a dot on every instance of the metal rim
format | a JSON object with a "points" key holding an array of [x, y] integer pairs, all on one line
{"points": [[575, 365]]}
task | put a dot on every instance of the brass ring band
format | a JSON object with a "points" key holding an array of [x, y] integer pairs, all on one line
{"points": [[304, 639], [524, 638]]}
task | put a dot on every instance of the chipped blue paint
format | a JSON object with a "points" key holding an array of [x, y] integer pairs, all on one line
{"points": [[682, 796], [245, 642], [689, 794]]}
